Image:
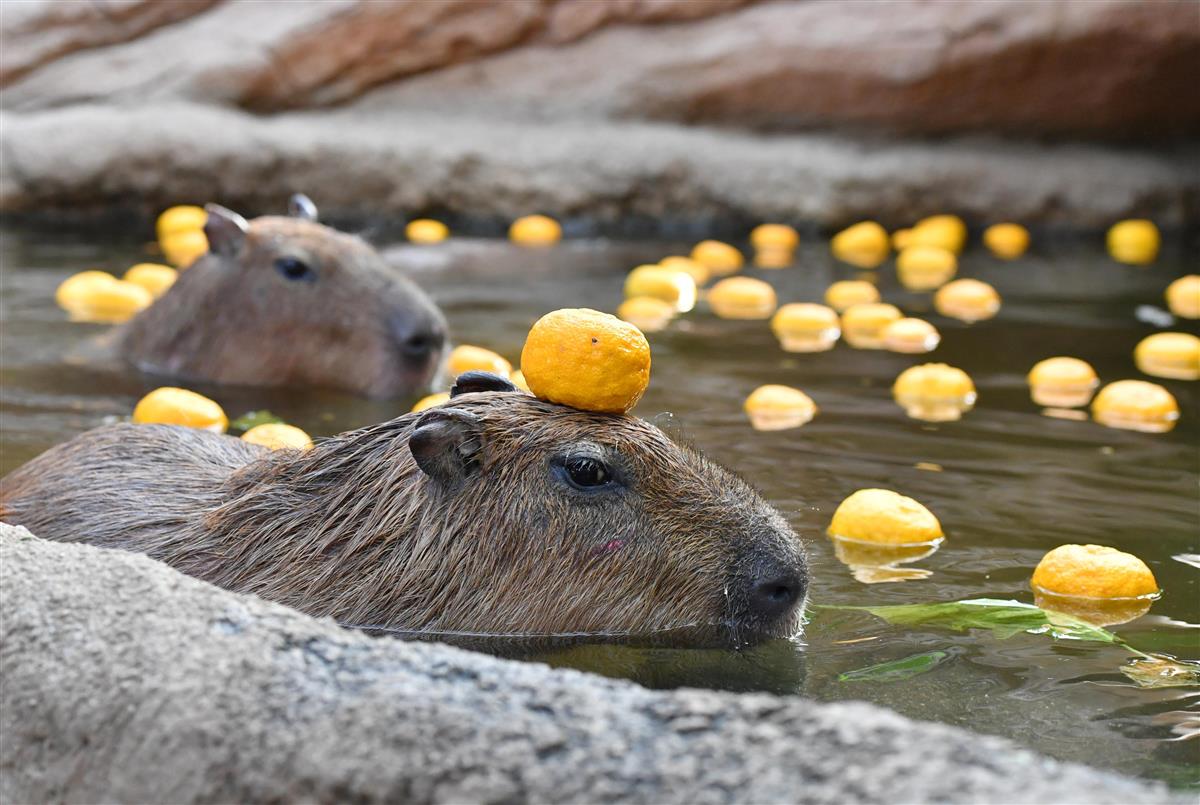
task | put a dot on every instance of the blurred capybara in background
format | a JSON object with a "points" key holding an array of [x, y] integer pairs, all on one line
{"points": [[285, 301], [497, 513]]}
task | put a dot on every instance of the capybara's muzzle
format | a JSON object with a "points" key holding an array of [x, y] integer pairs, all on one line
{"points": [[767, 592]]}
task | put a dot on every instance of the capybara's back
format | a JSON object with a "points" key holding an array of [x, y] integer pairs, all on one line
{"points": [[125, 486]]}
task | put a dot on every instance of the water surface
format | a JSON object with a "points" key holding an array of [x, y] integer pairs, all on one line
{"points": [[1012, 483]]}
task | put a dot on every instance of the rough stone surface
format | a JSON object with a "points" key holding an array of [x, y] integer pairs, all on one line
{"points": [[122, 680], [37, 32], [501, 107], [1117, 68], [397, 164], [1073, 69], [252, 54]]}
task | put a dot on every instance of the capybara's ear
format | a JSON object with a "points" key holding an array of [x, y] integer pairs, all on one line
{"points": [[446, 443], [225, 230], [476, 381], [301, 206]]}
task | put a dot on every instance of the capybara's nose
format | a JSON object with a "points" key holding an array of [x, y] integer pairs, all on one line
{"points": [[418, 339], [775, 592]]}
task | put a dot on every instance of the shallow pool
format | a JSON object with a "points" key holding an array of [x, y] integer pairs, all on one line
{"points": [[1007, 482]]}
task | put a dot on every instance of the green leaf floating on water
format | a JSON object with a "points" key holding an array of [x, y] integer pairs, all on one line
{"points": [[1003, 618], [897, 670], [253, 419]]}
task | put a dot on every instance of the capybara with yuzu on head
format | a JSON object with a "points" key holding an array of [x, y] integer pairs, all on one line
{"points": [[496, 513]]}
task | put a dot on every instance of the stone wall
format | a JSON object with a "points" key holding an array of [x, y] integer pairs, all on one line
{"points": [[122, 680], [821, 110], [1113, 69]]}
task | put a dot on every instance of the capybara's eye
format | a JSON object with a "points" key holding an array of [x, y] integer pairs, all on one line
{"points": [[294, 269], [587, 472]]}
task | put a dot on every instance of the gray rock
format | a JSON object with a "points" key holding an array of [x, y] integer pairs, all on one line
{"points": [[1119, 69], [122, 680], [387, 163], [38, 32]]}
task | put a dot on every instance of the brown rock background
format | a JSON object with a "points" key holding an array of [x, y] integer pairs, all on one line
{"points": [[849, 73], [1091, 68]]}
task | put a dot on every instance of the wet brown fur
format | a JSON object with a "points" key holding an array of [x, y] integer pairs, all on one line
{"points": [[236, 320], [354, 529]]}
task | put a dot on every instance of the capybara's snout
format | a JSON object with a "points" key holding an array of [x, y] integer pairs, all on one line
{"points": [[419, 332], [768, 587]]}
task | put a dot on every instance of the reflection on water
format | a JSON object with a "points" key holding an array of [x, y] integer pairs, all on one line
{"points": [[774, 667], [875, 563], [1007, 483]]}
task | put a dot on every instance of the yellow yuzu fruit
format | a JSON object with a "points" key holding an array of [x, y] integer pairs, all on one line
{"points": [[863, 325], [1183, 297], [742, 298], [719, 258], [535, 230], [183, 218], [1006, 241], [1173, 355], [169, 405], [806, 327], [865, 244], [884, 516], [75, 290], [923, 268], [278, 436], [1134, 242], [943, 231], [774, 237], [183, 248], [934, 392], [699, 272], [967, 300], [845, 294], [467, 358], [586, 359], [426, 230], [675, 287], [102, 298], [1136, 405], [154, 277], [518, 380], [775, 407], [1062, 382], [649, 314], [1093, 571], [911, 336]]}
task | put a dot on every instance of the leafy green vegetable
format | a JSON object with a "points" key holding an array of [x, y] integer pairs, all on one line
{"points": [[896, 670], [1003, 618], [253, 419]]}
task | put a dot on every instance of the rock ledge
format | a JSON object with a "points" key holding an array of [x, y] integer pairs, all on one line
{"points": [[122, 680]]}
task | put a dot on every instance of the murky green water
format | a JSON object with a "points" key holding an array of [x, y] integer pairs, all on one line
{"points": [[1013, 483]]}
